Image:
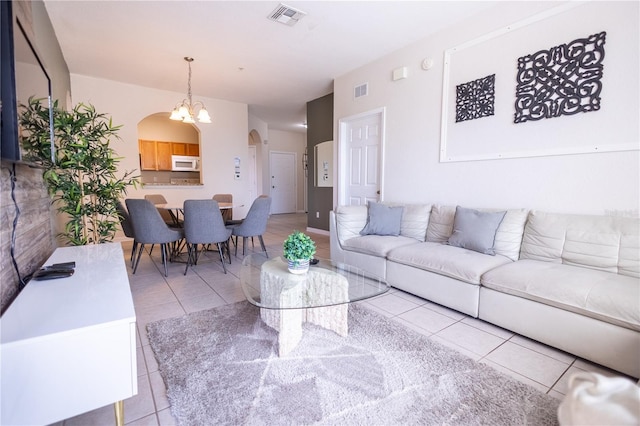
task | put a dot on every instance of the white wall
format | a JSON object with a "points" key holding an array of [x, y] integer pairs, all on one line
{"points": [[220, 141], [597, 183], [291, 142]]}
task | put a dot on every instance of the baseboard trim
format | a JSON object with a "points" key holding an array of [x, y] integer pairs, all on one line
{"points": [[318, 231]]}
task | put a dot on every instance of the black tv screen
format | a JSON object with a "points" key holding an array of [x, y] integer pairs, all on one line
{"points": [[23, 78]]}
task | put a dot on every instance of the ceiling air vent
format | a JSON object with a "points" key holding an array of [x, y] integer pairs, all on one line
{"points": [[361, 90], [286, 15]]}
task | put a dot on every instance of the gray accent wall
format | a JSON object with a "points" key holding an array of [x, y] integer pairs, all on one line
{"points": [[319, 129]]}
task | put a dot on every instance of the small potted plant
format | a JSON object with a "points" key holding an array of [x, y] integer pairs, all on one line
{"points": [[298, 249]]}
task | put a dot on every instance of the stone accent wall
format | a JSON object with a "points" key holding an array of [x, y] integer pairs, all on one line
{"points": [[34, 242]]}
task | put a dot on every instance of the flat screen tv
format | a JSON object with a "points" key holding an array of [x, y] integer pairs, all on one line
{"points": [[23, 77]]}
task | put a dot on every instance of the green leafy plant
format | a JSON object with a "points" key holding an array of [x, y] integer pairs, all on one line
{"points": [[298, 246], [83, 181]]}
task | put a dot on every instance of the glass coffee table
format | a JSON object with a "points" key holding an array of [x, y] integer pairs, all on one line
{"points": [[320, 297]]}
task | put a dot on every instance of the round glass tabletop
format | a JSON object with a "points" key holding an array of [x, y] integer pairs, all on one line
{"points": [[267, 283]]}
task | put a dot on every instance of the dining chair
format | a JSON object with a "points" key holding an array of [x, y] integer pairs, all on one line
{"points": [[227, 214], [167, 215], [127, 227], [254, 225], [149, 228], [203, 224]]}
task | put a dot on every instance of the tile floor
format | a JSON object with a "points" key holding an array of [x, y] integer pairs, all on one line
{"points": [[206, 286]]}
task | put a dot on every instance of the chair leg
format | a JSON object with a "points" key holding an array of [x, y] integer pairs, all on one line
{"points": [[228, 250], [264, 249], [135, 265], [189, 249], [163, 251], [244, 246], [221, 251], [133, 252], [151, 249]]}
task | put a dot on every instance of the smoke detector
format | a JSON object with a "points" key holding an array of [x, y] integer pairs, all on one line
{"points": [[286, 15]]}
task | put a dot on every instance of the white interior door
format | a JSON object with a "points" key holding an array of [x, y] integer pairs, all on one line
{"points": [[282, 166], [361, 158]]}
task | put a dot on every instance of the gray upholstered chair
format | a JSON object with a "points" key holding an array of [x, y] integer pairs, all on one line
{"points": [[127, 228], [203, 224], [167, 215], [227, 214], [254, 225], [149, 228]]}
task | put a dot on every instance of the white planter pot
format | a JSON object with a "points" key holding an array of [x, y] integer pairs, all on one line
{"points": [[300, 266]]}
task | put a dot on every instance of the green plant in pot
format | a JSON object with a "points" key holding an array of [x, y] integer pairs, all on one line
{"points": [[83, 181], [298, 249]]}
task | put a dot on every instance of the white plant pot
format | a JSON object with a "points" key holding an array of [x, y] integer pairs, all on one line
{"points": [[301, 267]]}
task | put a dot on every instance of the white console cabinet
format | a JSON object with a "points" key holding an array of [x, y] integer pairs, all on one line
{"points": [[68, 345]]}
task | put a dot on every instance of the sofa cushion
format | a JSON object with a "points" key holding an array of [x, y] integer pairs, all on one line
{"points": [[440, 223], [454, 262], [382, 220], [475, 230], [377, 245], [349, 221], [508, 236], [415, 218], [605, 243], [597, 294]]}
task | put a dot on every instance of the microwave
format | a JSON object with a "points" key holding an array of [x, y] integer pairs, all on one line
{"points": [[184, 163]]}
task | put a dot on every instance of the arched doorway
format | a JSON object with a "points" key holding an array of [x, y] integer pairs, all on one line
{"points": [[159, 139], [255, 166]]}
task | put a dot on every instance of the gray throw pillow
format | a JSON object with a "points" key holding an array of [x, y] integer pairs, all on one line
{"points": [[382, 220], [475, 230]]}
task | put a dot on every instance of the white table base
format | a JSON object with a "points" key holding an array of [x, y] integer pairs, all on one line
{"points": [[320, 287]]}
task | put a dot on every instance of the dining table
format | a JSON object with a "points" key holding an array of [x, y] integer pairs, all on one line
{"points": [[176, 209]]}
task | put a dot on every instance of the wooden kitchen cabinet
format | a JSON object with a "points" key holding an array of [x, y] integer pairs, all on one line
{"points": [[163, 154], [179, 148], [193, 149], [148, 159], [156, 155]]}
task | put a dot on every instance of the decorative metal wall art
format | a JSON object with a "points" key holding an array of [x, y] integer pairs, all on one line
{"points": [[563, 80], [476, 98]]}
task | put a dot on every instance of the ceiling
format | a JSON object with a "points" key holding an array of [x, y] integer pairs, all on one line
{"points": [[240, 55]]}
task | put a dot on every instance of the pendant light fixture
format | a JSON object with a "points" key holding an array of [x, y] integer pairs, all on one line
{"points": [[185, 110]]}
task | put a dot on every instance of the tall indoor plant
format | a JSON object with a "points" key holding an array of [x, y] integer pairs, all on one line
{"points": [[83, 179]]}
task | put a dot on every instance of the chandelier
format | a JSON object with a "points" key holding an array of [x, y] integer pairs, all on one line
{"points": [[184, 111]]}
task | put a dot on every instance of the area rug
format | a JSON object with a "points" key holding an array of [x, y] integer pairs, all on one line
{"points": [[221, 368]]}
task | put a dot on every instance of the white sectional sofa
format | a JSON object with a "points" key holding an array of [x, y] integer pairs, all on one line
{"points": [[569, 281]]}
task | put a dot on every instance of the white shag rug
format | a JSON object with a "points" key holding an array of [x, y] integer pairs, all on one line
{"points": [[221, 368]]}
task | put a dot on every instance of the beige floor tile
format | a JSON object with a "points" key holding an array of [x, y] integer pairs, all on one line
{"points": [[150, 420], [159, 391], [451, 313], [471, 338], [165, 418], [455, 347], [562, 385], [531, 364], [543, 349], [518, 377], [140, 405], [393, 304], [412, 326], [140, 362], [427, 319], [191, 287], [150, 359], [201, 303], [489, 328], [100, 416]]}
